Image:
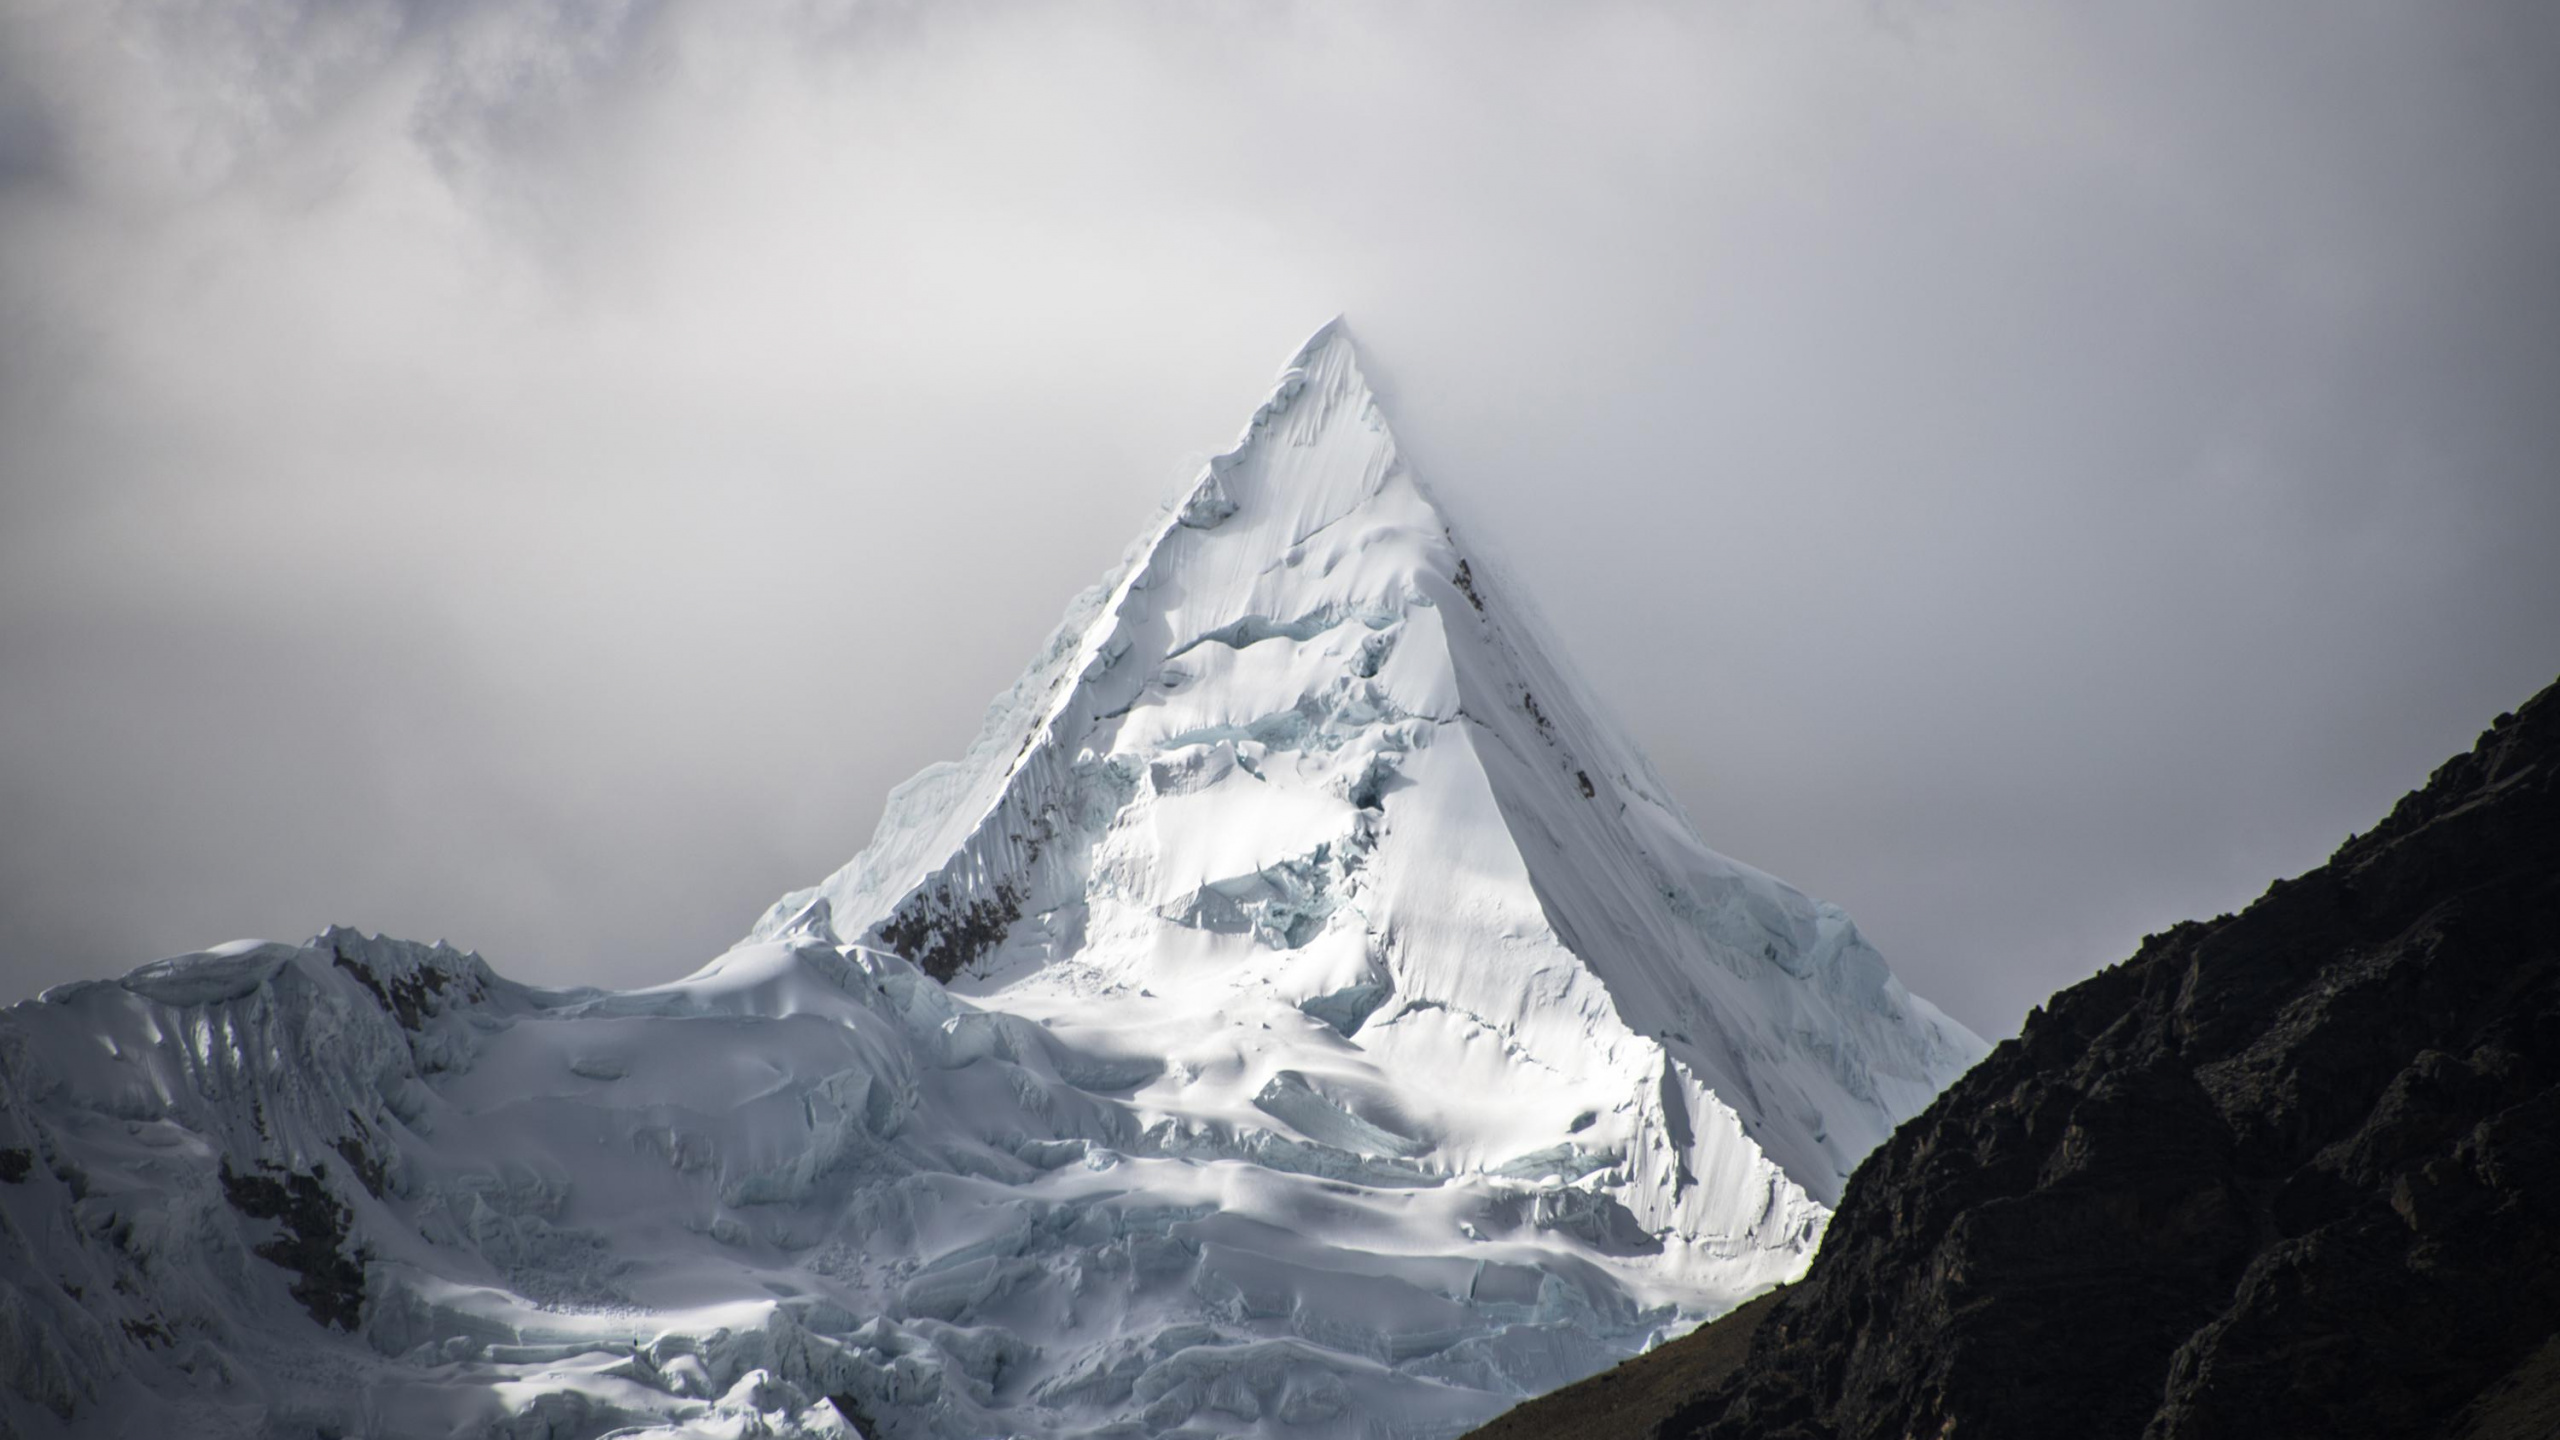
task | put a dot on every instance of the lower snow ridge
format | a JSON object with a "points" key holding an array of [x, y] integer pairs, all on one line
{"points": [[369, 1187]]}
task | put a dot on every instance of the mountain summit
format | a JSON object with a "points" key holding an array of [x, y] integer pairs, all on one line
{"points": [[1300, 1013], [1302, 751]]}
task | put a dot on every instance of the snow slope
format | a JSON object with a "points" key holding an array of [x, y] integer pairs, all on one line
{"points": [[1299, 1014]]}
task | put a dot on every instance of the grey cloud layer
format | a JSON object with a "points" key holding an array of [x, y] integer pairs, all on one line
{"points": [[536, 474]]}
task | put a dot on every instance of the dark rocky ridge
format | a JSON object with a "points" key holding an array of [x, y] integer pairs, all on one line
{"points": [[313, 1239], [2295, 1172]]}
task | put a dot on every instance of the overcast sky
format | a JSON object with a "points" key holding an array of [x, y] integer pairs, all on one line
{"points": [[537, 473]]}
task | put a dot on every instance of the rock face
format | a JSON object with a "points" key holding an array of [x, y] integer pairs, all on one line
{"points": [[2295, 1172]]}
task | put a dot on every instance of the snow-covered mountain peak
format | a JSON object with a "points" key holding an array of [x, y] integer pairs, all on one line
{"points": [[1302, 748], [1299, 1013]]}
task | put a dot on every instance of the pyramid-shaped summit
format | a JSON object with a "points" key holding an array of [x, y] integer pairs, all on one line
{"points": [[1302, 792]]}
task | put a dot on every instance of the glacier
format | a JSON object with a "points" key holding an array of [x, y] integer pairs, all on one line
{"points": [[1300, 1013]]}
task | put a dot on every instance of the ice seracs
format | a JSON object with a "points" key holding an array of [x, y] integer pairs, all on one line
{"points": [[1300, 1013]]}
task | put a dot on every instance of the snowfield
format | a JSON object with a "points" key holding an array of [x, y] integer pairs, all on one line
{"points": [[1299, 1014]]}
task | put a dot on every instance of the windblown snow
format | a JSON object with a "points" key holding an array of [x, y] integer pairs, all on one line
{"points": [[1301, 1014]]}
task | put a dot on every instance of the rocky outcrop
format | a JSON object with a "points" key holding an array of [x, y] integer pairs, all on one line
{"points": [[2295, 1172]]}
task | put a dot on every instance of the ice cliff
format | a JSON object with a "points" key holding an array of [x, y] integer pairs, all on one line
{"points": [[1300, 1013]]}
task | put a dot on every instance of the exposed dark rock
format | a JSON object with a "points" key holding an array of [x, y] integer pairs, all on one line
{"points": [[369, 1169], [2295, 1172], [941, 934], [1465, 580], [409, 998], [15, 1165], [313, 1243]]}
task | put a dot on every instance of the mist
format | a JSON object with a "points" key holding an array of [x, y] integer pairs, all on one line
{"points": [[537, 474]]}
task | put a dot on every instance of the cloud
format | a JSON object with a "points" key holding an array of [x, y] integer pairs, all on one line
{"points": [[538, 473]]}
